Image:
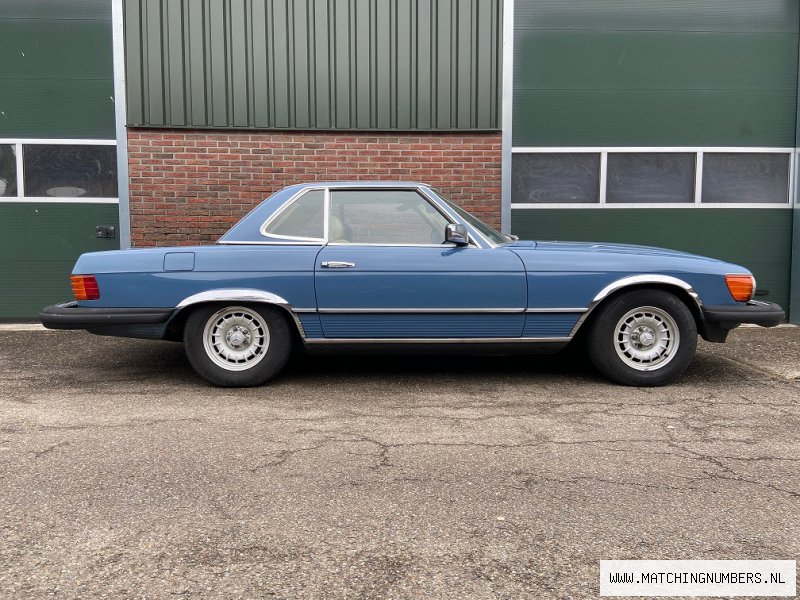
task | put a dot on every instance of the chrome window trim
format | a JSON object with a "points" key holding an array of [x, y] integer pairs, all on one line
{"points": [[421, 190], [286, 243], [487, 340], [698, 151], [292, 199], [631, 281], [242, 295], [442, 245]]}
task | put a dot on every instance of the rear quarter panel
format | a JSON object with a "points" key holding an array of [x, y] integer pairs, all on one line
{"points": [[137, 279]]}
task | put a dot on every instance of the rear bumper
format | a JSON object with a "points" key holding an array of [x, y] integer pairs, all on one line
{"points": [[719, 320], [130, 322]]}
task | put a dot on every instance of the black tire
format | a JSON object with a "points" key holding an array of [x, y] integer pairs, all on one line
{"points": [[614, 346], [266, 349]]}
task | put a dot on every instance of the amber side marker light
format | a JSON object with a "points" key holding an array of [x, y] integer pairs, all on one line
{"points": [[84, 287], [742, 287]]}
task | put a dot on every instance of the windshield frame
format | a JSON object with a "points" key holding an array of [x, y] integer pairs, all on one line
{"points": [[489, 233]]}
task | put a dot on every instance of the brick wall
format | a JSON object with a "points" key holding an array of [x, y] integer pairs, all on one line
{"points": [[189, 187]]}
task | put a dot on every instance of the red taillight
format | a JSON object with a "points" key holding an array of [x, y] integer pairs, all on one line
{"points": [[84, 287]]}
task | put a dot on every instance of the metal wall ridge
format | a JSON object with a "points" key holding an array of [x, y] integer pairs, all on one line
{"points": [[314, 64]]}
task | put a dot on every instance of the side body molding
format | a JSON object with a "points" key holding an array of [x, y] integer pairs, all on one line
{"points": [[635, 280], [242, 295]]}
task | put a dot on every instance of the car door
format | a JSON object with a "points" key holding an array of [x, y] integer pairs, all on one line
{"points": [[386, 273]]}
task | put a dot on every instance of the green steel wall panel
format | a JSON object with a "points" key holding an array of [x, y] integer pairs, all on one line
{"points": [[638, 15], [759, 239], [623, 72], [57, 9], [57, 73], [314, 64], [41, 242]]}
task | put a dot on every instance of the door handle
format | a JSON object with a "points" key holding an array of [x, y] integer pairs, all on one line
{"points": [[336, 264]]}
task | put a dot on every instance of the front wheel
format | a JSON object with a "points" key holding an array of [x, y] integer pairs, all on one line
{"points": [[643, 338], [237, 346]]}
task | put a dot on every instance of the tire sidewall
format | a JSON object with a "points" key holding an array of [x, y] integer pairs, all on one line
{"points": [[602, 338], [274, 359]]}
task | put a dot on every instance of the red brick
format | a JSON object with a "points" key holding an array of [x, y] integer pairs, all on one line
{"points": [[189, 187]]}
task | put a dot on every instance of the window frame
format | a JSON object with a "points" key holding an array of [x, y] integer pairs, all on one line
{"points": [[698, 151], [476, 239], [289, 203], [18, 144], [422, 196]]}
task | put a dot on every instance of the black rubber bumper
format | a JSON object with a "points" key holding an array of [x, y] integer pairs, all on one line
{"points": [[719, 320], [130, 322]]}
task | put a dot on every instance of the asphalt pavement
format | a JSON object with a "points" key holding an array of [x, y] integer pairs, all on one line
{"points": [[122, 475]]}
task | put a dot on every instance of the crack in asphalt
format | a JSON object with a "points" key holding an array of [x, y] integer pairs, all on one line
{"points": [[49, 449], [383, 460]]}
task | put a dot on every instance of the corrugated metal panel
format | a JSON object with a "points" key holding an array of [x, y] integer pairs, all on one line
{"points": [[314, 64]]}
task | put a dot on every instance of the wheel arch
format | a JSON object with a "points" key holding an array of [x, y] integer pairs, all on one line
{"points": [[176, 323], [680, 288]]}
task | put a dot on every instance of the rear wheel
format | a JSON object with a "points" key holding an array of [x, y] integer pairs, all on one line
{"points": [[237, 346], [643, 338]]}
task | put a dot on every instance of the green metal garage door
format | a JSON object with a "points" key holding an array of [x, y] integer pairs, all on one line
{"points": [[58, 176], [659, 123]]}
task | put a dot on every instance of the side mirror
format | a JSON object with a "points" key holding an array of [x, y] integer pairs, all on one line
{"points": [[456, 233]]}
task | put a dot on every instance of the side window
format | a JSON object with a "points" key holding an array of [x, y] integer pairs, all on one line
{"points": [[384, 217], [303, 219]]}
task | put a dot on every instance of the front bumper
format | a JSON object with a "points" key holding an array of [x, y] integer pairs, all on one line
{"points": [[719, 320], [147, 323]]}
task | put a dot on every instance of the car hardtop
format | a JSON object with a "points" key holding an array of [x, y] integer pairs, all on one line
{"points": [[248, 229]]}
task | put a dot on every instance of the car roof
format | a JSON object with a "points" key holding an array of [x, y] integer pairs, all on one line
{"points": [[357, 184]]}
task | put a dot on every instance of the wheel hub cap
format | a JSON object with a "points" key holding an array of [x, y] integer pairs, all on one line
{"points": [[236, 338], [646, 338], [643, 337]]}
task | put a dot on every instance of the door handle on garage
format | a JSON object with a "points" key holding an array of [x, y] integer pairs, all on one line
{"points": [[336, 264]]}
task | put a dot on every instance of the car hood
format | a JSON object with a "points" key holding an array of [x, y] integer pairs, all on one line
{"points": [[601, 247]]}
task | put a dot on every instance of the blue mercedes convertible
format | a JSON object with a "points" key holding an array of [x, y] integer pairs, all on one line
{"points": [[396, 265]]}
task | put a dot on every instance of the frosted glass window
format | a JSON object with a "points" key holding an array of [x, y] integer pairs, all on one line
{"points": [[70, 171], [650, 177], [745, 177], [8, 170], [556, 177]]}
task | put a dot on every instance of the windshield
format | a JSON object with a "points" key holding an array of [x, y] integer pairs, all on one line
{"points": [[488, 232]]}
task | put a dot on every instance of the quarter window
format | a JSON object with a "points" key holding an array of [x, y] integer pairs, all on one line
{"points": [[384, 217], [303, 219]]}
